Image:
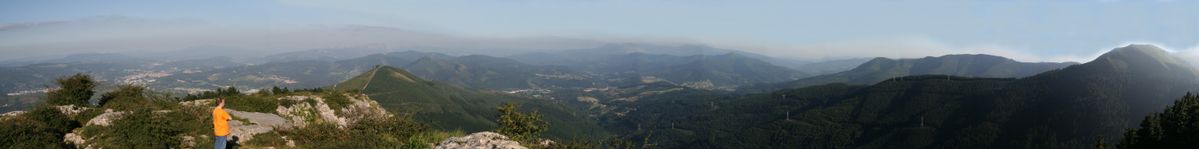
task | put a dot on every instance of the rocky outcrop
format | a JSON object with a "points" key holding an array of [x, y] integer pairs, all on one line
{"points": [[258, 123], [480, 140], [303, 113], [106, 118], [72, 138]]}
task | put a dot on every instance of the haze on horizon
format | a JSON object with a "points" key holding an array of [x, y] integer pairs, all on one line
{"points": [[1023, 30]]}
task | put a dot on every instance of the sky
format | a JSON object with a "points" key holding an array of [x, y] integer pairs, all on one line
{"points": [[1023, 30]]}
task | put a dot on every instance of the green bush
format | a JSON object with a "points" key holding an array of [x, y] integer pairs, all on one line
{"points": [[87, 115], [75, 89], [337, 100], [368, 133], [43, 127], [252, 103], [142, 128], [133, 97], [525, 128]]}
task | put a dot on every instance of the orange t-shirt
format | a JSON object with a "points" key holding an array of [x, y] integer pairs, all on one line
{"points": [[220, 122]]}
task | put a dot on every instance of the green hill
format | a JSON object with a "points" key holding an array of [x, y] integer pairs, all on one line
{"points": [[452, 108]]}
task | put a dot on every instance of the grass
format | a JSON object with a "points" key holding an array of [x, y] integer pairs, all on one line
{"points": [[272, 139]]}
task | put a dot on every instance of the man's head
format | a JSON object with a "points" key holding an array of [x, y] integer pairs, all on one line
{"points": [[220, 102]]}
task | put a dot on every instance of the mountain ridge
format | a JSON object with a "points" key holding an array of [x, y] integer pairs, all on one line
{"points": [[879, 69]]}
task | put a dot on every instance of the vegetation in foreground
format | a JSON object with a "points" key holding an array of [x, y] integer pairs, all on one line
{"points": [[1175, 127]]}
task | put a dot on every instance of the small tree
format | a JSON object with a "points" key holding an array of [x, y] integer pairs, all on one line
{"points": [[76, 89], [520, 126]]}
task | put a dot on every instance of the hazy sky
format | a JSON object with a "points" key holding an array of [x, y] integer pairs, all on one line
{"points": [[1023, 30]]}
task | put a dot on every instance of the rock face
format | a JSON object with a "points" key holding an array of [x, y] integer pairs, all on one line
{"points": [[480, 140]]}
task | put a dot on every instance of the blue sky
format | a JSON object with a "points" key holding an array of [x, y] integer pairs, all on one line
{"points": [[1024, 30]]}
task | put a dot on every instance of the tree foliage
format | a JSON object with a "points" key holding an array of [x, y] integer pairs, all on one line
{"points": [[523, 127], [75, 89], [43, 127], [1176, 127]]}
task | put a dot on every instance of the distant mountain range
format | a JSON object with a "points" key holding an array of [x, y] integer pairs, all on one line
{"points": [[830, 66], [1062, 108], [706, 68], [880, 69], [479, 71]]}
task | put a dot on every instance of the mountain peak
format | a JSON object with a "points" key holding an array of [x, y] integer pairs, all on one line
{"points": [[388, 73], [1142, 57]]}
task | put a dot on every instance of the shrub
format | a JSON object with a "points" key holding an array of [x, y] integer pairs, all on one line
{"points": [[76, 89], [142, 128], [525, 128], [252, 103], [390, 132], [337, 100], [133, 97], [42, 127]]}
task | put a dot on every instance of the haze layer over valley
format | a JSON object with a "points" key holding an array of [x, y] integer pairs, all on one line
{"points": [[600, 74]]}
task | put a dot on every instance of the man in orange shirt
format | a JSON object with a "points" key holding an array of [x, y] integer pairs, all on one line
{"points": [[220, 123]]}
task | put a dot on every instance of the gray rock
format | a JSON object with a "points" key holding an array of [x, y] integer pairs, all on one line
{"points": [[258, 123], [71, 110], [267, 119], [106, 118], [480, 140]]}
